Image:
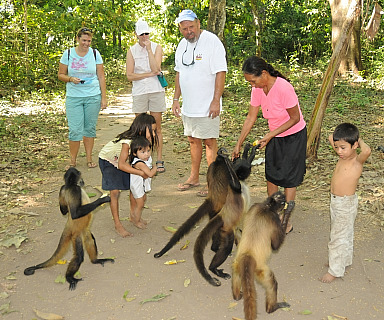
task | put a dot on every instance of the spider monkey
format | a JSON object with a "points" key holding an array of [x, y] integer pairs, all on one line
{"points": [[74, 199], [263, 232], [226, 192]]}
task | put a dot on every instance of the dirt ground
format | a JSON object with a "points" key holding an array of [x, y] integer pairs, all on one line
{"points": [[118, 291]]}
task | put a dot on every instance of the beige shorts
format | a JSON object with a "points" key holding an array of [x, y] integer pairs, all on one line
{"points": [[201, 127], [154, 102]]}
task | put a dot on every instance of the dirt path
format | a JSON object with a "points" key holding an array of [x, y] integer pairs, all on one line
{"points": [[360, 295]]}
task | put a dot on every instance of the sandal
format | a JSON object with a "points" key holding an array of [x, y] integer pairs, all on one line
{"points": [[202, 193], [160, 165], [186, 186], [91, 164]]}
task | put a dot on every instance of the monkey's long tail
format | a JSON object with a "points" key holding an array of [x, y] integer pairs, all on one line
{"points": [[205, 209], [201, 242], [247, 269]]}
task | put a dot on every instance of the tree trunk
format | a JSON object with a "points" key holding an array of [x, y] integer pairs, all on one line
{"points": [[26, 40], [258, 12], [216, 18], [352, 59], [341, 46]]}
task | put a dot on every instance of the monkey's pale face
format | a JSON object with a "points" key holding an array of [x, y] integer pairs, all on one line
{"points": [[345, 150], [144, 153]]}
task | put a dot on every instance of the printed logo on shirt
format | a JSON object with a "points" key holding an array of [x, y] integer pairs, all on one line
{"points": [[78, 64], [199, 56]]}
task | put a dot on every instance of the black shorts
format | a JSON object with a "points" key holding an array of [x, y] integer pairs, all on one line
{"points": [[113, 178], [285, 159]]}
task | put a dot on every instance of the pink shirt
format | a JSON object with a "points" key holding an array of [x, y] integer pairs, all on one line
{"points": [[281, 97]]}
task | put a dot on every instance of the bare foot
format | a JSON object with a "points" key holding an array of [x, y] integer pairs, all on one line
{"points": [[143, 221], [121, 231], [139, 224], [327, 278]]}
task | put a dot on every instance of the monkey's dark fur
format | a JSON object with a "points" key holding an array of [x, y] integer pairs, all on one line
{"points": [[74, 199], [227, 199], [263, 232]]}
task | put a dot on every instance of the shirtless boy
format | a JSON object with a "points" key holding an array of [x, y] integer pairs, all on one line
{"points": [[343, 208]]}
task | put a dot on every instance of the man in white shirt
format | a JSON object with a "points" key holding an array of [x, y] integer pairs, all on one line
{"points": [[200, 66]]}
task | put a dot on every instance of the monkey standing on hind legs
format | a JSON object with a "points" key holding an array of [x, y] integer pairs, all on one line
{"points": [[263, 232], [74, 199], [225, 189]]}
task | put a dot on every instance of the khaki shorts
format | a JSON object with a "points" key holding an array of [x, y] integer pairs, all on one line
{"points": [[201, 127], [154, 102]]}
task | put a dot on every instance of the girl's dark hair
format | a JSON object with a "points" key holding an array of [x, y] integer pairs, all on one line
{"points": [[137, 144], [255, 66], [347, 132], [139, 127]]}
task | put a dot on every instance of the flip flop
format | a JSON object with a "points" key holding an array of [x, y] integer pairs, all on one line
{"points": [[186, 186], [91, 164], [160, 165], [202, 193]]}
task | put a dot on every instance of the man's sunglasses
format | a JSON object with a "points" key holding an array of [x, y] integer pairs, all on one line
{"points": [[145, 34], [193, 55]]}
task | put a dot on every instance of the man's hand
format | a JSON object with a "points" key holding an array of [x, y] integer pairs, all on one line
{"points": [[214, 109], [176, 108]]}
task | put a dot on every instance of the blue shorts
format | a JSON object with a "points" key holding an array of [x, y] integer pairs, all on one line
{"points": [[82, 114], [113, 178]]}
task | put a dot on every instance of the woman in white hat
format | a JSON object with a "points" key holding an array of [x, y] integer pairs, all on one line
{"points": [[143, 65]]}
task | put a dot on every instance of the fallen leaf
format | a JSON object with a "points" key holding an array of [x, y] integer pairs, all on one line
{"points": [[4, 295], [155, 298], [174, 261], [187, 282], [170, 229], [149, 250], [15, 239], [60, 279], [47, 316], [62, 262], [92, 194], [305, 312], [232, 305], [185, 246], [5, 308], [126, 298], [11, 276]]}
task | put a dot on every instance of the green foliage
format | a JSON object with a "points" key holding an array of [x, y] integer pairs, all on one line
{"points": [[293, 31]]}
